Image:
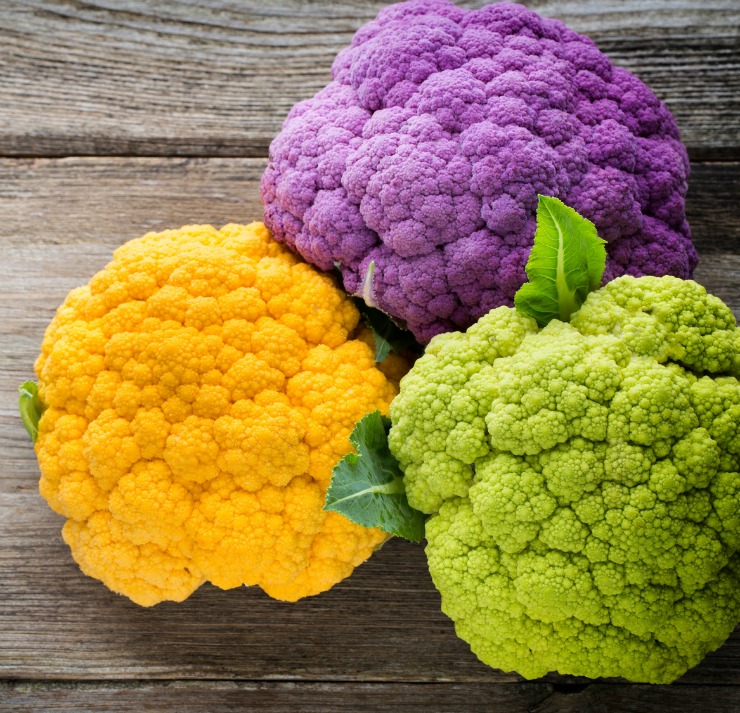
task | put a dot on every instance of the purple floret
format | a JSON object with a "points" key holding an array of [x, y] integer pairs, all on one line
{"points": [[427, 151]]}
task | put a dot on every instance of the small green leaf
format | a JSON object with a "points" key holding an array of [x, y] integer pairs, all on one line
{"points": [[566, 263], [367, 487], [382, 345], [388, 336], [30, 407]]}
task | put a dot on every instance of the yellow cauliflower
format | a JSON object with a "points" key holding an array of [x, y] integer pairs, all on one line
{"points": [[198, 392]]}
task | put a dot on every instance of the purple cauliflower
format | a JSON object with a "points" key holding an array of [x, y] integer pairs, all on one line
{"points": [[426, 152]]}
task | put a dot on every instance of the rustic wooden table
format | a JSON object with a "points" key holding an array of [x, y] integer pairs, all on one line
{"points": [[119, 117]]}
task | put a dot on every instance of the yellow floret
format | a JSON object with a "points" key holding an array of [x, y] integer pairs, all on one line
{"points": [[199, 391]]}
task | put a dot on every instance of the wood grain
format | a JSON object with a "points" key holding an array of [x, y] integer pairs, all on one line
{"points": [[641, 699], [233, 697], [61, 220], [236, 697], [216, 78]]}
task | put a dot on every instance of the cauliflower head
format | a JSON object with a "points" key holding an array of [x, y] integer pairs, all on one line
{"points": [[425, 155], [583, 481], [199, 391]]}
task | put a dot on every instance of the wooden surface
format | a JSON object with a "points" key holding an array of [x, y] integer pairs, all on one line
{"points": [[216, 78], [122, 117]]}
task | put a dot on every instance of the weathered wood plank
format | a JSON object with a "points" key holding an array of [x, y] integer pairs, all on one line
{"points": [[216, 78], [61, 220], [640, 698], [233, 697], [237, 696]]}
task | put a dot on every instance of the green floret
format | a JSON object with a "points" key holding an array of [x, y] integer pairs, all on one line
{"points": [[667, 319], [574, 468], [556, 386], [548, 610], [583, 481], [509, 498], [451, 387]]}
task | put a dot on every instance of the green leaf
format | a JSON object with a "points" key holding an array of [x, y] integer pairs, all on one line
{"points": [[388, 336], [31, 408], [566, 263], [367, 487]]}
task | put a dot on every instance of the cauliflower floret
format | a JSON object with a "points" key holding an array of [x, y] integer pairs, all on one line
{"points": [[426, 152], [586, 518], [199, 392]]}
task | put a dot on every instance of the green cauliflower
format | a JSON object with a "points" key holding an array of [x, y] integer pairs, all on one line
{"points": [[582, 481]]}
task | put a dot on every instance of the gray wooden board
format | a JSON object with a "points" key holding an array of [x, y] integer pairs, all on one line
{"points": [[230, 697], [235, 697], [217, 78], [603, 698], [61, 219]]}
